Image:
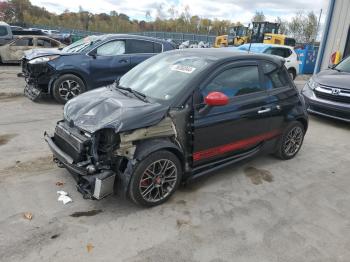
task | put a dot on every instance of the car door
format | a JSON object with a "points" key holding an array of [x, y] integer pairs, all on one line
{"points": [[140, 50], [237, 127], [282, 95], [108, 62], [18, 47]]}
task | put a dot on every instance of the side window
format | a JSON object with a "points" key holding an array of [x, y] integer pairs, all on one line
{"points": [[3, 31], [140, 46], [235, 82], [54, 43], [112, 48], [43, 42], [275, 77], [23, 42]]}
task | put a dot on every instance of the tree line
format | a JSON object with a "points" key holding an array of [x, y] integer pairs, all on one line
{"points": [[302, 26]]}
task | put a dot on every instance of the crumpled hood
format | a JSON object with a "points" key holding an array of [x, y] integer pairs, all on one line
{"points": [[34, 53], [333, 78], [106, 107]]}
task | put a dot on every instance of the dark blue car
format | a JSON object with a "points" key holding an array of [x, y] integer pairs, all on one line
{"points": [[89, 63]]}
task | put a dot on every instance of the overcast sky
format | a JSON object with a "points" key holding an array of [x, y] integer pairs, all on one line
{"points": [[235, 10]]}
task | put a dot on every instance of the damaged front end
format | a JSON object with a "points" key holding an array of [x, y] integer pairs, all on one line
{"points": [[102, 162], [37, 77]]}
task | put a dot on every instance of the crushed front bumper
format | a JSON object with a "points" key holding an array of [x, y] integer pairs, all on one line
{"points": [[37, 77], [93, 185]]}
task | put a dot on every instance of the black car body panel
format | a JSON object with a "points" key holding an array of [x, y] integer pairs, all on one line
{"points": [[328, 92], [94, 70], [110, 107], [111, 130]]}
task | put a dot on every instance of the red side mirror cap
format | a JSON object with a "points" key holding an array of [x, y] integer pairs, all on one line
{"points": [[216, 99]]}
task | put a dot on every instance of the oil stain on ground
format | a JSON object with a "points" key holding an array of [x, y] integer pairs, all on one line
{"points": [[36, 165], [257, 176], [86, 213], [10, 96], [4, 139]]}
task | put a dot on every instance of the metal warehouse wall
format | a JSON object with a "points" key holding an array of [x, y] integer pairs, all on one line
{"points": [[338, 30]]}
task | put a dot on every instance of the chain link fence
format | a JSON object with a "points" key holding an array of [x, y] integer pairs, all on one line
{"points": [[176, 37]]}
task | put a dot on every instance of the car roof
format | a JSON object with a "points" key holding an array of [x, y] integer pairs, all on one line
{"points": [[3, 23], [138, 37], [221, 54], [267, 45]]}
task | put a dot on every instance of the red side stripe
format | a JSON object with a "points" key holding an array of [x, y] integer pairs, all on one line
{"points": [[240, 144]]}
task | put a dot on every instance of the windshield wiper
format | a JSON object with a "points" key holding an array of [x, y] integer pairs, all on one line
{"points": [[137, 94]]}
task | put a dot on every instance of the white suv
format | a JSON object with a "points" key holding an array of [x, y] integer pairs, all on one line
{"points": [[287, 52], [292, 62]]}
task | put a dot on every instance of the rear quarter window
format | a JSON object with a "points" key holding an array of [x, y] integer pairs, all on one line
{"points": [[276, 77], [141, 46]]}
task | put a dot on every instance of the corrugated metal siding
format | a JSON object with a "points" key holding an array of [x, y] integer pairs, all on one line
{"points": [[338, 30]]}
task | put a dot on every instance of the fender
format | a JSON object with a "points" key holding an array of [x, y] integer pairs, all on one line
{"points": [[145, 148]]}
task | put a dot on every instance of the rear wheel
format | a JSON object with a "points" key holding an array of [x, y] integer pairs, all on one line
{"points": [[291, 141], [155, 179], [292, 73], [67, 87]]}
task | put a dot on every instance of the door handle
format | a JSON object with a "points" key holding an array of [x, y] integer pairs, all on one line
{"points": [[123, 61], [262, 111]]}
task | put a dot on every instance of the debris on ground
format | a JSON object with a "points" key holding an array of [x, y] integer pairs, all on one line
{"points": [[89, 247], [63, 196], [28, 215], [59, 183]]}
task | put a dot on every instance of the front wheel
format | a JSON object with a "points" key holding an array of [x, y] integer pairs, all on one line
{"points": [[155, 179], [67, 87], [290, 141]]}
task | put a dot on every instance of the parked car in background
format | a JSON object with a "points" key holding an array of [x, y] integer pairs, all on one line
{"points": [[287, 52], [57, 35], [9, 33], [328, 92], [175, 117], [13, 51], [5, 33], [86, 64]]}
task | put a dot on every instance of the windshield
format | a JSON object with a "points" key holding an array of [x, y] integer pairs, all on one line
{"points": [[162, 77], [81, 44], [344, 66]]}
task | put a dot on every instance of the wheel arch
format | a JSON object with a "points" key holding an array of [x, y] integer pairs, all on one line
{"points": [[54, 79], [304, 122], [149, 146]]}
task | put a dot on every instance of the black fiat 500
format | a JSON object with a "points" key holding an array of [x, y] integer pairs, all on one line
{"points": [[175, 117]]}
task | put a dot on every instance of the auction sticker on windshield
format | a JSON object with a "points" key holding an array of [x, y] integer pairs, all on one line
{"points": [[183, 69]]}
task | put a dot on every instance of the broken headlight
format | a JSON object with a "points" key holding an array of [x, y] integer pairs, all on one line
{"points": [[43, 59]]}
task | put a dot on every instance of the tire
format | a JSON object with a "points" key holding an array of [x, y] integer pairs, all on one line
{"points": [[67, 87], [149, 186], [292, 73], [287, 149]]}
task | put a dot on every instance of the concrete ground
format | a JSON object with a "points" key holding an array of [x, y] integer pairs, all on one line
{"points": [[261, 210]]}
